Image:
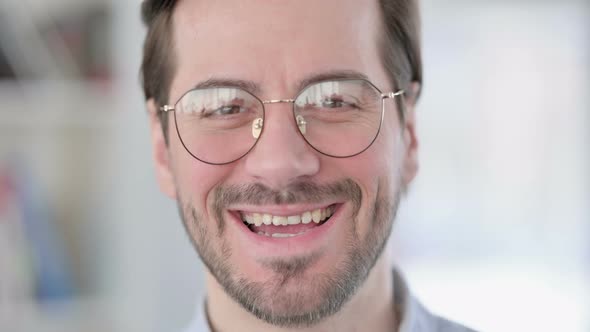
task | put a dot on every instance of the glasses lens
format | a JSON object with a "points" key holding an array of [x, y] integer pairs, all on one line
{"points": [[339, 118], [219, 125]]}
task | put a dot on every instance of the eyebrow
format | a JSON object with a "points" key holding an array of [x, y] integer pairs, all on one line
{"points": [[331, 75], [249, 86], [255, 88]]}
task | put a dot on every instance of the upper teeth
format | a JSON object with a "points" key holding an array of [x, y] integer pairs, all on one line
{"points": [[316, 216]]}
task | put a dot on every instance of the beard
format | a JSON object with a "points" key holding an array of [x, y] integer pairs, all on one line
{"points": [[291, 297]]}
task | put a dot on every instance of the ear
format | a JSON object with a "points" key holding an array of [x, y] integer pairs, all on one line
{"points": [[410, 138], [160, 152]]}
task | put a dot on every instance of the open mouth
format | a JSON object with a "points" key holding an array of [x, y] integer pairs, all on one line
{"points": [[265, 224]]}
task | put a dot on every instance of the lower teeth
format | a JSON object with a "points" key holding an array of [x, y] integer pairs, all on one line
{"points": [[279, 235], [283, 235]]}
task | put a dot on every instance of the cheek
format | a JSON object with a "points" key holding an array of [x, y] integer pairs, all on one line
{"points": [[389, 144], [382, 160], [377, 164], [194, 179], [379, 168]]}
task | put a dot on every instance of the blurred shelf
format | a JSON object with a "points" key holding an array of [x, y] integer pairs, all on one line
{"points": [[56, 104], [42, 8], [57, 39], [80, 314]]}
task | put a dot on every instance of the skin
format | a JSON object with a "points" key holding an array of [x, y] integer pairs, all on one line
{"points": [[276, 44]]}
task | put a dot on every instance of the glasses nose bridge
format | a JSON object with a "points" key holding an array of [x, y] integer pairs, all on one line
{"points": [[282, 101], [278, 101]]}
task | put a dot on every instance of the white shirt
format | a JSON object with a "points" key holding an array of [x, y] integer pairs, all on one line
{"points": [[414, 316]]}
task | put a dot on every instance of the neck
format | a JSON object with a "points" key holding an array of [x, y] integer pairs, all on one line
{"points": [[370, 309]]}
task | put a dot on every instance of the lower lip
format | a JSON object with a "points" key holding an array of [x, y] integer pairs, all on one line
{"points": [[308, 241]]}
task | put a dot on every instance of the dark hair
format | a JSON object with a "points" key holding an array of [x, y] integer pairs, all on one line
{"points": [[400, 47]]}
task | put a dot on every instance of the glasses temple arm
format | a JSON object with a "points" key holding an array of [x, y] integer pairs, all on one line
{"points": [[392, 94], [167, 108]]}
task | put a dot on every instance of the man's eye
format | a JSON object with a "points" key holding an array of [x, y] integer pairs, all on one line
{"points": [[229, 109], [337, 103], [225, 110]]}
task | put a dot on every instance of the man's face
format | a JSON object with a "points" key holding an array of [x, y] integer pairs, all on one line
{"points": [[295, 280]]}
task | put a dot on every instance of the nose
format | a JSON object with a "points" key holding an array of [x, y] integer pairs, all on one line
{"points": [[281, 156]]}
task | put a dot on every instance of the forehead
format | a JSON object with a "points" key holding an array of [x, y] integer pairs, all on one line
{"points": [[273, 43]]}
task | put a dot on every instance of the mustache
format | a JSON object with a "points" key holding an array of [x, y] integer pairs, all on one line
{"points": [[298, 192]]}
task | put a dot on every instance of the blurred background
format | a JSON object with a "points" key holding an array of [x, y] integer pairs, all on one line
{"points": [[494, 233]]}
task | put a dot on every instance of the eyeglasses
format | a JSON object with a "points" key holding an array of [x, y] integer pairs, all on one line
{"points": [[338, 118]]}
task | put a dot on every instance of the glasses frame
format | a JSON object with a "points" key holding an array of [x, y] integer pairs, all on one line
{"points": [[382, 95]]}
